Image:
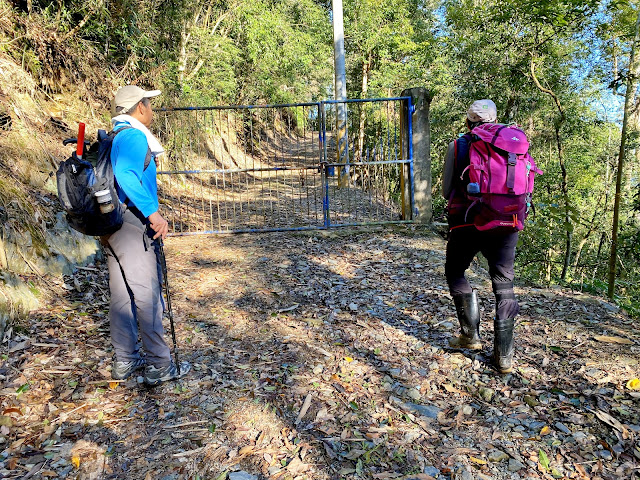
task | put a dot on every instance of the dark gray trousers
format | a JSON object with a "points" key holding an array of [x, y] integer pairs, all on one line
{"points": [[138, 255], [499, 248]]}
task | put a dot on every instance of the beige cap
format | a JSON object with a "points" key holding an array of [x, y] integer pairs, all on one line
{"points": [[126, 97], [482, 111]]}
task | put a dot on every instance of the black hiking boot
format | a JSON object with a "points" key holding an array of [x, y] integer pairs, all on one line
{"points": [[468, 312], [503, 344]]}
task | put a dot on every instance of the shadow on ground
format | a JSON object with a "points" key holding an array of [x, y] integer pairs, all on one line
{"points": [[322, 355]]}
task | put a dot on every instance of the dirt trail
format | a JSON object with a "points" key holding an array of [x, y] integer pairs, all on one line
{"points": [[323, 356]]}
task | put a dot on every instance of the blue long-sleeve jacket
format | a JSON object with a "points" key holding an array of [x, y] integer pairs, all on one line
{"points": [[134, 184]]}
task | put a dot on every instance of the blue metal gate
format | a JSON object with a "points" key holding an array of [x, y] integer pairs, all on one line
{"points": [[252, 168]]}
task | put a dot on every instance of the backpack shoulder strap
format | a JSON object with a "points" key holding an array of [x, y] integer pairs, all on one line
{"points": [[455, 154], [147, 158], [461, 151]]}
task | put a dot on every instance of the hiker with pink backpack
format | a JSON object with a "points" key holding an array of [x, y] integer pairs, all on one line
{"points": [[488, 181]]}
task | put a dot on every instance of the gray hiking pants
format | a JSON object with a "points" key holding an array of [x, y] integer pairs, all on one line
{"points": [[138, 255]]}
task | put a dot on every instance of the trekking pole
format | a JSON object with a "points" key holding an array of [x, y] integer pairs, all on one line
{"points": [[163, 260]]}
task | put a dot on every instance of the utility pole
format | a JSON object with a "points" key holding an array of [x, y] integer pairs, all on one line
{"points": [[340, 93]]}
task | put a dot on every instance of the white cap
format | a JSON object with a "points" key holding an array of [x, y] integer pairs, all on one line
{"points": [[127, 97], [482, 111]]}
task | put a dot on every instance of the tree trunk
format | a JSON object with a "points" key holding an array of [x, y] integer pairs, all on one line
{"points": [[593, 225], [633, 168], [184, 41], [590, 230], [512, 109], [632, 81], [182, 52], [568, 227], [565, 194]]}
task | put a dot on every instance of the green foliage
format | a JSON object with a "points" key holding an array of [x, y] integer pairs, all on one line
{"points": [[382, 41], [284, 46], [249, 52]]}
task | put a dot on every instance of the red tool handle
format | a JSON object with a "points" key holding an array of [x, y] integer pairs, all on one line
{"points": [[80, 140]]}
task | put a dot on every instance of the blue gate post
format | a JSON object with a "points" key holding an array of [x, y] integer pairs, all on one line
{"points": [[406, 150], [412, 202], [324, 178], [325, 199]]}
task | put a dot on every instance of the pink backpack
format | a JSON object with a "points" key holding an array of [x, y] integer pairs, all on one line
{"points": [[501, 176]]}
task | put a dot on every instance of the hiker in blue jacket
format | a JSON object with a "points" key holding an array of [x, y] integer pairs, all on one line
{"points": [[135, 279], [498, 246]]}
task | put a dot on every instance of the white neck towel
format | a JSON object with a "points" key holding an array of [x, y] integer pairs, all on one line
{"points": [[154, 144]]}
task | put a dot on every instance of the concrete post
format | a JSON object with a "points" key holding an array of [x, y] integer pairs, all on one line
{"points": [[421, 100]]}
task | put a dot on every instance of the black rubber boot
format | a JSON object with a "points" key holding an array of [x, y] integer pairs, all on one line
{"points": [[503, 332], [468, 312], [503, 344]]}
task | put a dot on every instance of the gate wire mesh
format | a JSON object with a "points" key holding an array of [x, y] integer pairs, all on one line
{"points": [[264, 168], [368, 175]]}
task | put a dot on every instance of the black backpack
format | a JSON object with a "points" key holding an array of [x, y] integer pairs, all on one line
{"points": [[80, 178]]}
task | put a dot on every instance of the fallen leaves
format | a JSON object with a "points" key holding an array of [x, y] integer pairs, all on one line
{"points": [[245, 450], [611, 421], [309, 363], [451, 389], [305, 407], [545, 465], [297, 467]]}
